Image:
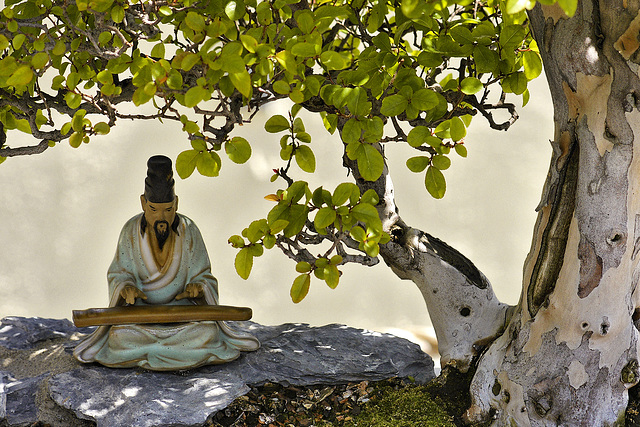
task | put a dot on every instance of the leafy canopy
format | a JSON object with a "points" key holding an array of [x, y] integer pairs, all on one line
{"points": [[376, 72]]}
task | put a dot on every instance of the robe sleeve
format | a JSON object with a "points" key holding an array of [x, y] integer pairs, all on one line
{"points": [[199, 264], [121, 270]]}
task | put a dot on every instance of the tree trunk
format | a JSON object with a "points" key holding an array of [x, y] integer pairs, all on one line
{"points": [[570, 352]]}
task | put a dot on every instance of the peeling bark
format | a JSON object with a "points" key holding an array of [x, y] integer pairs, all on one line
{"points": [[570, 352]]}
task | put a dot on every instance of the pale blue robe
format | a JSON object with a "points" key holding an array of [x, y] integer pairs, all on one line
{"points": [[163, 347]]}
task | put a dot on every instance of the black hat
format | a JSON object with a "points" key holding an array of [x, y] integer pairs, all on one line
{"points": [[158, 186]]}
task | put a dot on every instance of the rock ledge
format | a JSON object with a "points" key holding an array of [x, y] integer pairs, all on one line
{"points": [[41, 381]]}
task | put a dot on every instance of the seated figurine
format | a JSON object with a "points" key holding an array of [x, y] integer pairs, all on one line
{"points": [[161, 260]]}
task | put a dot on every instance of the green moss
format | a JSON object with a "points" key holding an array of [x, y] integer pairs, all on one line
{"points": [[403, 407]]}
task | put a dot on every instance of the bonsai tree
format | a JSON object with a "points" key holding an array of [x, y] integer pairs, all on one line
{"points": [[376, 73]]}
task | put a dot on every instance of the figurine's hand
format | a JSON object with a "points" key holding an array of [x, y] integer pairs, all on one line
{"points": [[192, 290], [130, 293]]}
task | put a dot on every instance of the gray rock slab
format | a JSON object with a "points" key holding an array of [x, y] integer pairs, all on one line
{"points": [[125, 397], [298, 354], [19, 398], [290, 354], [22, 333]]}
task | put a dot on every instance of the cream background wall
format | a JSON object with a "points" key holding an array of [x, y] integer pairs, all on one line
{"points": [[61, 213]]}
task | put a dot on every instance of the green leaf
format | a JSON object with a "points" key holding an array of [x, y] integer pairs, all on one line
{"points": [[486, 59], [305, 21], [73, 100], [516, 83], [343, 192], [435, 183], [59, 48], [297, 217], [532, 64], [300, 288], [208, 164], [189, 61], [236, 241], [77, 123], [40, 60], [394, 105], [512, 36], [101, 128], [425, 99], [287, 61], [358, 103], [276, 124], [441, 162], [278, 226], [194, 95], [186, 163], [22, 76], [235, 9], [370, 162], [461, 150], [117, 14], [158, 50], [75, 140], [457, 129], [373, 129], [324, 217], [174, 80], [333, 60], [105, 77], [417, 164], [382, 41], [305, 159], [418, 135], [332, 276], [18, 41], [4, 42], [298, 125], [244, 262], [281, 87], [370, 197], [304, 49], [371, 248], [351, 131], [303, 267], [295, 192], [238, 149], [195, 21], [358, 233], [249, 43], [366, 213], [462, 35], [242, 82], [470, 86]]}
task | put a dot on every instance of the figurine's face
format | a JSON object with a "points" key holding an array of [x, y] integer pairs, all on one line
{"points": [[160, 215]]}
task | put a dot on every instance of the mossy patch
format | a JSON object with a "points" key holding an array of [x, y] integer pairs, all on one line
{"points": [[403, 407]]}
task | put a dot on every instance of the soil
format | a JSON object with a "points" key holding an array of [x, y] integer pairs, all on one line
{"points": [[392, 402]]}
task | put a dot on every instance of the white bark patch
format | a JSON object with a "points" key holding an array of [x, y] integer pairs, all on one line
{"points": [[577, 374], [513, 394]]}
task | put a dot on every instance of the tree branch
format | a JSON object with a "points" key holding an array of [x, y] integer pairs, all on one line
{"points": [[464, 311], [25, 151]]}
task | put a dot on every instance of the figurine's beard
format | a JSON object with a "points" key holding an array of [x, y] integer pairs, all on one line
{"points": [[162, 230]]}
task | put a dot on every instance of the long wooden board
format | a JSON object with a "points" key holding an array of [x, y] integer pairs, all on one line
{"points": [[158, 314]]}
